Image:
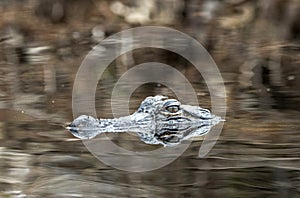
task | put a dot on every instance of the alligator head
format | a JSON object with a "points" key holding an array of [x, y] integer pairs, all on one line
{"points": [[158, 120]]}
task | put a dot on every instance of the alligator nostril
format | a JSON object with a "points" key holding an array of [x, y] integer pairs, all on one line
{"points": [[70, 126], [67, 124]]}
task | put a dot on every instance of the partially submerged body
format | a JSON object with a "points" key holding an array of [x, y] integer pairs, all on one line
{"points": [[158, 120]]}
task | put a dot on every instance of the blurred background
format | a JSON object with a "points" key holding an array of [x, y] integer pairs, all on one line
{"points": [[255, 44]]}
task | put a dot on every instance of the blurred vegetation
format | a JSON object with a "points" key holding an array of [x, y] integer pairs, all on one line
{"points": [[255, 43]]}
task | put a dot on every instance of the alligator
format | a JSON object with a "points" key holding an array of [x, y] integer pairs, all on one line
{"points": [[158, 120]]}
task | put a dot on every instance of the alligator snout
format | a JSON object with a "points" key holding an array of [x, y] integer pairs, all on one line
{"points": [[84, 127]]}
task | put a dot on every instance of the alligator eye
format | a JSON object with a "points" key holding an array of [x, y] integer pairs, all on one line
{"points": [[173, 108]]}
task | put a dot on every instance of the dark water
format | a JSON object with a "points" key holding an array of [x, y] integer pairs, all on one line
{"points": [[256, 155]]}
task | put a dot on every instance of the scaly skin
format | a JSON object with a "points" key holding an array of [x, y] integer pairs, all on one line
{"points": [[158, 120]]}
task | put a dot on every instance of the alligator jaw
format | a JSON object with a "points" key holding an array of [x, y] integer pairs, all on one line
{"points": [[87, 127]]}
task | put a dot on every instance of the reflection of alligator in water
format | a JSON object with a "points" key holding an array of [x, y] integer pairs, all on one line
{"points": [[158, 120]]}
